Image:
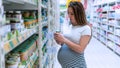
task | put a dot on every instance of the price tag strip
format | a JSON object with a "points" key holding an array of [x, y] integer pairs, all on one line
{"points": [[16, 41]]}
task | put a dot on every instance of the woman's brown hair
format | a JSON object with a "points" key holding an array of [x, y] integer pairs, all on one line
{"points": [[79, 13]]}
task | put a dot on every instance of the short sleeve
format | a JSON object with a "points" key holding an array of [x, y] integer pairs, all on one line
{"points": [[86, 31]]}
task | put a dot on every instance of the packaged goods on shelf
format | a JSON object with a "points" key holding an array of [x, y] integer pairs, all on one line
{"points": [[29, 23], [104, 27], [117, 13], [23, 21], [11, 64], [110, 44], [111, 15], [117, 31], [30, 19], [14, 18], [22, 52], [118, 23], [117, 40], [4, 30], [14, 15], [12, 60], [29, 14], [45, 2], [45, 31], [112, 22], [102, 39], [105, 7], [111, 28]]}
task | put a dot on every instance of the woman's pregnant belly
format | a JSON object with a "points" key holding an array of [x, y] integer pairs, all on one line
{"points": [[66, 56]]}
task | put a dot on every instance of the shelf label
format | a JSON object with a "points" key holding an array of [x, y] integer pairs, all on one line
{"points": [[15, 42], [6, 47], [11, 44], [20, 39], [25, 35]]}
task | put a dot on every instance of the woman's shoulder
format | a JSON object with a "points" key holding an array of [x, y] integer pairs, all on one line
{"points": [[81, 28], [85, 27]]}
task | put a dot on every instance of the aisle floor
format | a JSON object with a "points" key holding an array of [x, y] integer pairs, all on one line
{"points": [[98, 56]]}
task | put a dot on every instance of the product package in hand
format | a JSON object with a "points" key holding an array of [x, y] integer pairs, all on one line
{"points": [[58, 31]]}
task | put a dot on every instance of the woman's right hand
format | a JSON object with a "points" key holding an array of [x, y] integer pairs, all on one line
{"points": [[55, 37]]}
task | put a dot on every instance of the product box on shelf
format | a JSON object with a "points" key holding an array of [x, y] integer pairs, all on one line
{"points": [[4, 30], [25, 49], [111, 44], [117, 31]]}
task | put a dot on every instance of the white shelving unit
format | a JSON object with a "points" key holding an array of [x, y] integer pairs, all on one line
{"points": [[9, 45], [47, 23], [105, 20]]}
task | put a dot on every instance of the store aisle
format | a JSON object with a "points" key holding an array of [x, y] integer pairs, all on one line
{"points": [[98, 56]]}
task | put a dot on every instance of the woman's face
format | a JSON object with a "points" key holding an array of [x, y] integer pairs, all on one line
{"points": [[71, 16]]}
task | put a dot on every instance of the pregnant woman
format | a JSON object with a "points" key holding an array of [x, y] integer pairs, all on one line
{"points": [[71, 53]]}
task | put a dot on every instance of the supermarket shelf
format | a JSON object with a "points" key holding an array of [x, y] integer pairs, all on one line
{"points": [[111, 48], [32, 2], [30, 62], [44, 41], [99, 40], [118, 43], [107, 46], [117, 26], [103, 35], [102, 41], [117, 35], [109, 24], [43, 6], [46, 61], [44, 23], [110, 31], [21, 5], [111, 39], [12, 19], [10, 45], [33, 58]]}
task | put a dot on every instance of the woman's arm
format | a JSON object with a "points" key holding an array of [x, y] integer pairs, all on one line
{"points": [[79, 48]]}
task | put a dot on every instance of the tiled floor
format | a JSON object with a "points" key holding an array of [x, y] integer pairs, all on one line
{"points": [[98, 56]]}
